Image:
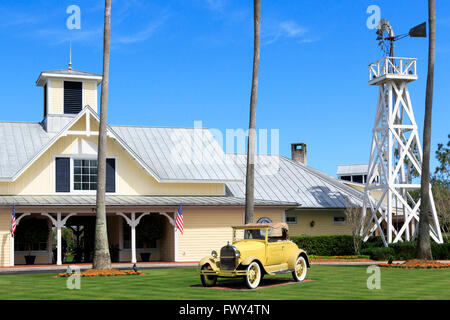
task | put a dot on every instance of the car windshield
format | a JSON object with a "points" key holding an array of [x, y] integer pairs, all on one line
{"points": [[244, 234]]}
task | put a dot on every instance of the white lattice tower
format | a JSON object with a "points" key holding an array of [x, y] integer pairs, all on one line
{"points": [[395, 154]]}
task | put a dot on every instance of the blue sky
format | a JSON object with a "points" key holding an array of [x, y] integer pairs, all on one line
{"points": [[174, 62]]}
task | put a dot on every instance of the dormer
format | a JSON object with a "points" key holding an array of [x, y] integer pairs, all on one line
{"points": [[66, 93]]}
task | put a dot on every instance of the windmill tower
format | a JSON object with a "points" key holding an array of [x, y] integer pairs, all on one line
{"points": [[396, 152]]}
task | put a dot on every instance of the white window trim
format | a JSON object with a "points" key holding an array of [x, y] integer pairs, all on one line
{"points": [[293, 223], [339, 223], [80, 157]]}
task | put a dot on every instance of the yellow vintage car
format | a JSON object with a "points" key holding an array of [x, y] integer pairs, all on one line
{"points": [[257, 249]]}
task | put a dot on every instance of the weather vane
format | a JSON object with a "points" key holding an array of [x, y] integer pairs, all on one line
{"points": [[386, 36]]}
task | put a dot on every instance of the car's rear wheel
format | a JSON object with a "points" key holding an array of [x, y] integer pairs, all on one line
{"points": [[253, 276], [299, 274], [208, 281]]}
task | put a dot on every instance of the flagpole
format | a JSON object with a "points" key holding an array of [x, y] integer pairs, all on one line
{"points": [[12, 250]]}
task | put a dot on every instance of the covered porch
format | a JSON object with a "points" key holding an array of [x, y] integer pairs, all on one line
{"points": [[137, 231]]}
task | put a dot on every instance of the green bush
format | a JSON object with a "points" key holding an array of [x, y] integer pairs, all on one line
{"points": [[338, 245], [440, 251], [407, 251], [379, 253], [404, 250], [342, 245]]}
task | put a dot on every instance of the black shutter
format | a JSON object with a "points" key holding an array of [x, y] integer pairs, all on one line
{"points": [[62, 174], [72, 97], [110, 175]]}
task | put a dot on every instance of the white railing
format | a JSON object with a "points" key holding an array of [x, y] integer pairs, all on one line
{"points": [[392, 66]]}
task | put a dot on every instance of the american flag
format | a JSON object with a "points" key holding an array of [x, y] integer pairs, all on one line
{"points": [[13, 221], [179, 219]]}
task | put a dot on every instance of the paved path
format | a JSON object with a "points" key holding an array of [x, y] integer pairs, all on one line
{"points": [[84, 266]]}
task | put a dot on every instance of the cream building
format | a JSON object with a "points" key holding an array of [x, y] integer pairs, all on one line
{"points": [[48, 173]]}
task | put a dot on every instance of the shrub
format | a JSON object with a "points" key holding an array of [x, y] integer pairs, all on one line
{"points": [[337, 245], [404, 250], [379, 253], [440, 251]]}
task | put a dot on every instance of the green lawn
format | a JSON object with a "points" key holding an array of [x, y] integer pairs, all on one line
{"points": [[330, 282]]}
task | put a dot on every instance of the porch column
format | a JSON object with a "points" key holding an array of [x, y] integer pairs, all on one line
{"points": [[133, 238], [12, 252], [133, 222], [58, 223]]}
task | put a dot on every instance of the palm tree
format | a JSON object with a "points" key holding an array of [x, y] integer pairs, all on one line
{"points": [[250, 175], [102, 259], [423, 242]]}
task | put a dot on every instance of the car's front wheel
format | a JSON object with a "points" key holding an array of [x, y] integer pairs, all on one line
{"points": [[299, 274], [253, 276], [208, 281]]}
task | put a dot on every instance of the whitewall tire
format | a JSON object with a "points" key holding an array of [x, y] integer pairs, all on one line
{"points": [[253, 277], [299, 273]]}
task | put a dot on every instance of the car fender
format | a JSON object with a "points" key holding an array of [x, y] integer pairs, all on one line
{"points": [[247, 260], [293, 259], [209, 260]]}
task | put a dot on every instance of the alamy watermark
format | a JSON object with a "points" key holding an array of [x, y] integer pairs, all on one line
{"points": [[375, 16], [213, 147], [373, 281], [74, 280], [74, 20]]}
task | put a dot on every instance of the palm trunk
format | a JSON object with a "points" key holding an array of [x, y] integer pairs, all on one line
{"points": [[102, 259], [423, 243], [250, 175]]}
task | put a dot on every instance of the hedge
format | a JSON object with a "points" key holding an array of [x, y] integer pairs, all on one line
{"points": [[338, 245], [342, 245], [407, 251]]}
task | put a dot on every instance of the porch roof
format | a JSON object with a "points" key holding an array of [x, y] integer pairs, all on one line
{"points": [[131, 200]]}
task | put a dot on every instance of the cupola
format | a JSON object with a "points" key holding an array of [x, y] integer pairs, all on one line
{"points": [[66, 93]]}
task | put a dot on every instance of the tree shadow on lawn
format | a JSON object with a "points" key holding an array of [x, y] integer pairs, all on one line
{"points": [[238, 284]]}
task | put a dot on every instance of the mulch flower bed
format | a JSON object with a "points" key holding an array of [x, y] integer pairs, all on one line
{"points": [[417, 264], [340, 258], [102, 273]]}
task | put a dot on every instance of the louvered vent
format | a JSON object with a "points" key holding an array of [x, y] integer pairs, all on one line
{"points": [[72, 97]]}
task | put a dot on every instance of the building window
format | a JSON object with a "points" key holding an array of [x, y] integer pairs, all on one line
{"points": [[346, 178], [358, 179], [84, 174], [291, 220], [338, 220]]}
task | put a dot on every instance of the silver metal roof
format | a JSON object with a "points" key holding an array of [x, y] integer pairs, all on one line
{"points": [[352, 169], [67, 73], [173, 154], [280, 179], [118, 200], [19, 143], [187, 154]]}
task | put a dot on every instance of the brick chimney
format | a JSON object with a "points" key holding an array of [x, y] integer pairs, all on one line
{"points": [[298, 152]]}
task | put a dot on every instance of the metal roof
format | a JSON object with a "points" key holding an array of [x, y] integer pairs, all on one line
{"points": [[119, 200], [352, 169], [19, 143], [280, 179], [172, 154], [180, 154], [67, 73]]}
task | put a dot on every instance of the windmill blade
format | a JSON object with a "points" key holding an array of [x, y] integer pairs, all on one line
{"points": [[419, 31]]}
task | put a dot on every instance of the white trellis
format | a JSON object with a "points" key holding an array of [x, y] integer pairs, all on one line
{"points": [[395, 153]]}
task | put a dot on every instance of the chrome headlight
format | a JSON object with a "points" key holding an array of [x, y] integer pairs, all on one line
{"points": [[238, 253], [214, 253]]}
